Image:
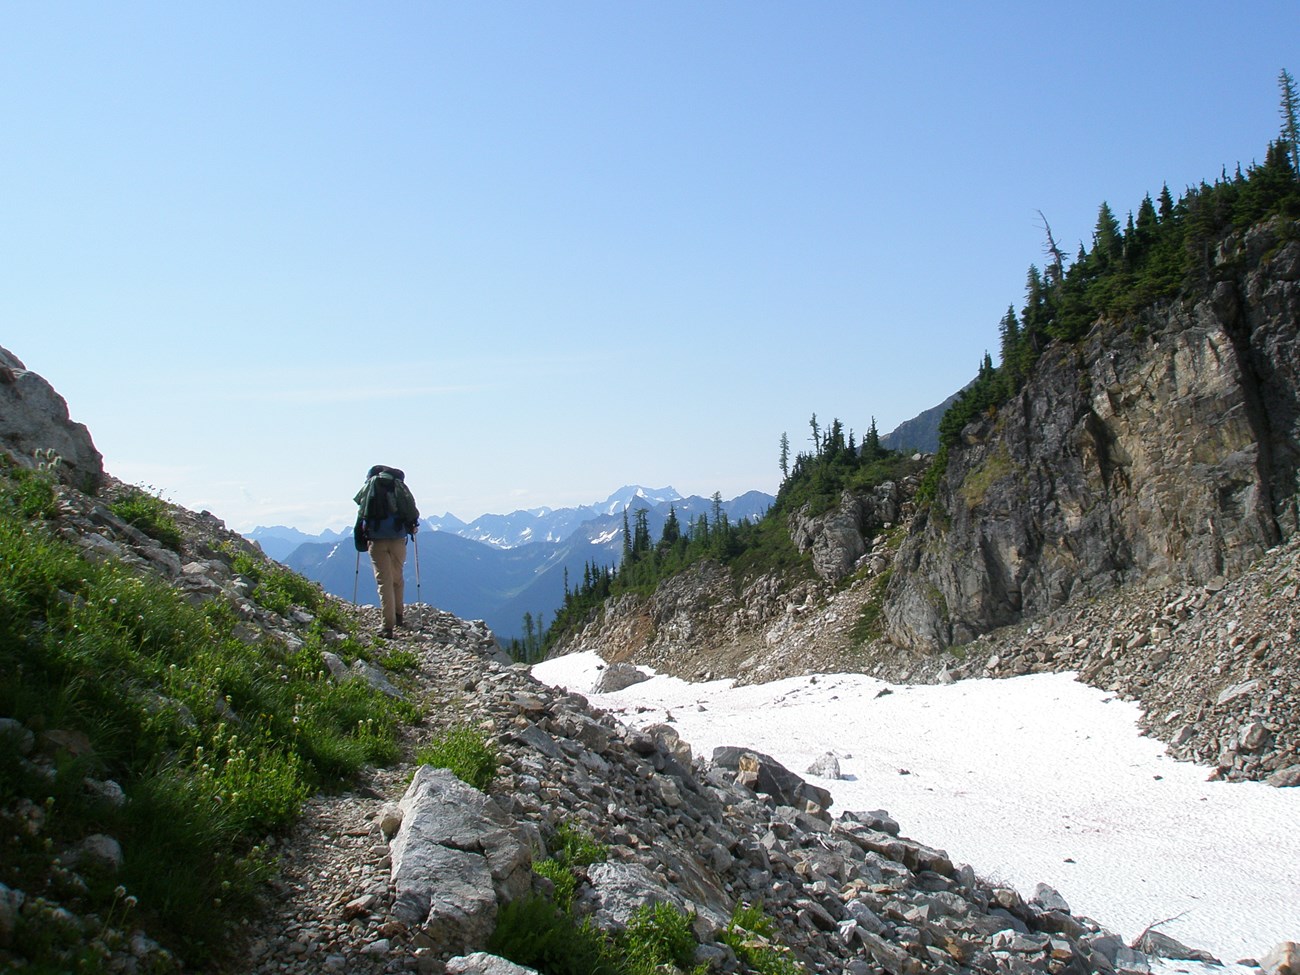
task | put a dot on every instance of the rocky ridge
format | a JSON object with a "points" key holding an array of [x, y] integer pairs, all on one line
{"points": [[408, 870], [394, 877], [1159, 449]]}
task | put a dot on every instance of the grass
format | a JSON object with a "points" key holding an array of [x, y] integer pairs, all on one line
{"points": [[749, 935], [282, 590], [464, 750], [150, 514], [214, 741]]}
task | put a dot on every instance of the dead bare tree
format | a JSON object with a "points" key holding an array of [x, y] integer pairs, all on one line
{"points": [[1055, 271]]}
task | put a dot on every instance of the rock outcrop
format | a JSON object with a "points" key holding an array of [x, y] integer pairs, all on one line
{"points": [[1160, 449], [838, 540], [36, 430]]}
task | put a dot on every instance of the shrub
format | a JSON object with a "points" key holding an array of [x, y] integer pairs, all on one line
{"points": [[538, 933], [533, 932], [466, 752], [658, 934], [562, 878], [577, 848]]}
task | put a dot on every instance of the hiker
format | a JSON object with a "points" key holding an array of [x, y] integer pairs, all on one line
{"points": [[386, 515]]}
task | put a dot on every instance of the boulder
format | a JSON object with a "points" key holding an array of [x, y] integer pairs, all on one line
{"points": [[618, 676], [618, 889], [481, 963], [763, 773], [455, 857], [36, 430], [1159, 945], [1283, 959]]}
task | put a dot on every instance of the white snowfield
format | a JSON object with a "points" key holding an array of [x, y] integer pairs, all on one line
{"points": [[1032, 779]]}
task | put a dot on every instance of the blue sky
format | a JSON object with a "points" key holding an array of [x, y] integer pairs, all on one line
{"points": [[531, 252]]}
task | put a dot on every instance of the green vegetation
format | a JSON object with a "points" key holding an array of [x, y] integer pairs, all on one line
{"points": [[816, 481], [1168, 251], [214, 742], [870, 623], [534, 931], [149, 513], [749, 935], [280, 590], [572, 850], [464, 750], [545, 934]]}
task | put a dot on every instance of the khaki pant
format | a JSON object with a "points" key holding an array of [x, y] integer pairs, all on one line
{"points": [[388, 556]]}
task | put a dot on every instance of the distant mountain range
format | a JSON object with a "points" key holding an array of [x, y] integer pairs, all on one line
{"points": [[498, 567]]}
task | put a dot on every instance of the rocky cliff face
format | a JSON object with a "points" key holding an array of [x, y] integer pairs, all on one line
{"points": [[35, 428], [1160, 449]]}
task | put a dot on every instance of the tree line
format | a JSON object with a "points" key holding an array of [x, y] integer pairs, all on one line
{"points": [[1165, 251], [816, 478]]}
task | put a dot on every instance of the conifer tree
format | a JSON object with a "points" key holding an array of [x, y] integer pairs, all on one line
{"points": [[1107, 244], [672, 528], [871, 442], [1290, 117], [785, 457]]}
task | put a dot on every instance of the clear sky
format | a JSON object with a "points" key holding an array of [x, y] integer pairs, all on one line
{"points": [[531, 252]]}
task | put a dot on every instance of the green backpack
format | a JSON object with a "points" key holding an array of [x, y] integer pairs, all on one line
{"points": [[385, 494]]}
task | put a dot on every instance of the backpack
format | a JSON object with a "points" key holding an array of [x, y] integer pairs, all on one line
{"points": [[385, 495]]}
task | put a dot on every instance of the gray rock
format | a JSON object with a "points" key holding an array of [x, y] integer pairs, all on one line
{"points": [[375, 676], [826, 766], [11, 904], [100, 850], [618, 676], [389, 819], [1047, 898], [454, 858], [35, 428], [1152, 942], [765, 774], [481, 963], [1108, 465], [618, 889], [17, 736]]}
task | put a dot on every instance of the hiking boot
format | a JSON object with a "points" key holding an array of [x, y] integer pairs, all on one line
{"points": [[399, 619], [387, 633]]}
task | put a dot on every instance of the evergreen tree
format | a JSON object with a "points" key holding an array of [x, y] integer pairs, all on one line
{"points": [[641, 534], [871, 443], [1290, 117], [785, 457], [1009, 334], [1107, 243], [672, 528], [1166, 203]]}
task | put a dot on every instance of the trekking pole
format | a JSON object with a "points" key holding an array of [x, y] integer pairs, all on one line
{"points": [[356, 579], [415, 539]]}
